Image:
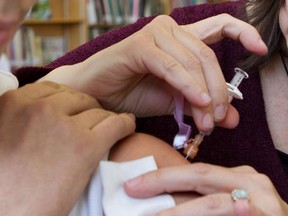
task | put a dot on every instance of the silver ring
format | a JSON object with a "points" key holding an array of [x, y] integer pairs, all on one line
{"points": [[239, 194]]}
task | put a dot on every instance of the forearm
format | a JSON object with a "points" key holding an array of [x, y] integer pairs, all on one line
{"points": [[82, 75]]}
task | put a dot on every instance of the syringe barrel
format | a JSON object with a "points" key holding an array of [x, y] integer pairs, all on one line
{"points": [[238, 77]]}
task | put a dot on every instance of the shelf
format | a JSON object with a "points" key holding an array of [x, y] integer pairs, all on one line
{"points": [[68, 23], [60, 21], [56, 30], [68, 20]]}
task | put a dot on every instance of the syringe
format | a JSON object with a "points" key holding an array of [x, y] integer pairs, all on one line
{"points": [[193, 144]]}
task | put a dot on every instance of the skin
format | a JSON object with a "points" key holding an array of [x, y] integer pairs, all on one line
{"points": [[182, 66], [215, 183], [141, 145], [277, 115], [59, 135], [190, 75], [283, 20], [50, 135], [12, 13]]}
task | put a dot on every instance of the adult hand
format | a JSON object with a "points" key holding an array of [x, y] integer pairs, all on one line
{"points": [[52, 139], [12, 13], [214, 184], [140, 73]]}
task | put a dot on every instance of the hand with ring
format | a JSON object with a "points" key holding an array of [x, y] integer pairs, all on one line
{"points": [[238, 191]]}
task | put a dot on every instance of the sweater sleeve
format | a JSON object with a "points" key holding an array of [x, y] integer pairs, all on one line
{"points": [[182, 16]]}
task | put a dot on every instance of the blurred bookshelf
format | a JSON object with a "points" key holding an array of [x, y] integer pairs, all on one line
{"points": [[103, 15], [54, 27]]}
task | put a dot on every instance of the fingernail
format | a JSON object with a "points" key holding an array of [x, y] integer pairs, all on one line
{"points": [[133, 183], [208, 133], [208, 121], [205, 97], [261, 42], [219, 112], [131, 115]]}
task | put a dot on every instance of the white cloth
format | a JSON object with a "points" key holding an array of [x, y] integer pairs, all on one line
{"points": [[116, 202], [90, 203], [4, 63], [7, 81], [114, 199]]}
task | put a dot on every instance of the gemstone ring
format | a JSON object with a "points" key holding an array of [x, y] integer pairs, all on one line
{"points": [[239, 194]]}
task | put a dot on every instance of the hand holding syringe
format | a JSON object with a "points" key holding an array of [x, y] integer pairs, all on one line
{"points": [[191, 146]]}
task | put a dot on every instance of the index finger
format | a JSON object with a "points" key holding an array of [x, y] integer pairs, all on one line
{"points": [[198, 177], [214, 29]]}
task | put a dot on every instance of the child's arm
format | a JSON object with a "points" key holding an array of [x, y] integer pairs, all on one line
{"points": [[141, 145]]}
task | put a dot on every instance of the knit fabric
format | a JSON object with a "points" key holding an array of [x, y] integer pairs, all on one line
{"points": [[248, 144]]}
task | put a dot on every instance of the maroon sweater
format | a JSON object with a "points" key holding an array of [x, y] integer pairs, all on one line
{"points": [[248, 144]]}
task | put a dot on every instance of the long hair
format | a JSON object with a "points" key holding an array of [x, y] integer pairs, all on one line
{"points": [[264, 16]]}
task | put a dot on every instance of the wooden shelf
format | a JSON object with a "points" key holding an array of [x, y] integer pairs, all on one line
{"points": [[68, 21], [68, 26], [103, 26], [168, 8], [60, 21], [40, 41]]}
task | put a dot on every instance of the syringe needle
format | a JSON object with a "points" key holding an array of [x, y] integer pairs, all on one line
{"points": [[192, 147]]}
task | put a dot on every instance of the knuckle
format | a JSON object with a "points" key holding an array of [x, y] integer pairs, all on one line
{"points": [[258, 178], [88, 99], [202, 168], [120, 122], [193, 63], [140, 37], [225, 16], [83, 98], [220, 94], [262, 179], [101, 113], [207, 54], [246, 168], [162, 19], [52, 84], [213, 201], [163, 22], [171, 66]]}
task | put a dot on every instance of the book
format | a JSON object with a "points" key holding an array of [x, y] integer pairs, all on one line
{"points": [[41, 10], [29, 49], [52, 48], [92, 17]]}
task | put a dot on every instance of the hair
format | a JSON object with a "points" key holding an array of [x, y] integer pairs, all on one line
{"points": [[264, 16]]}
